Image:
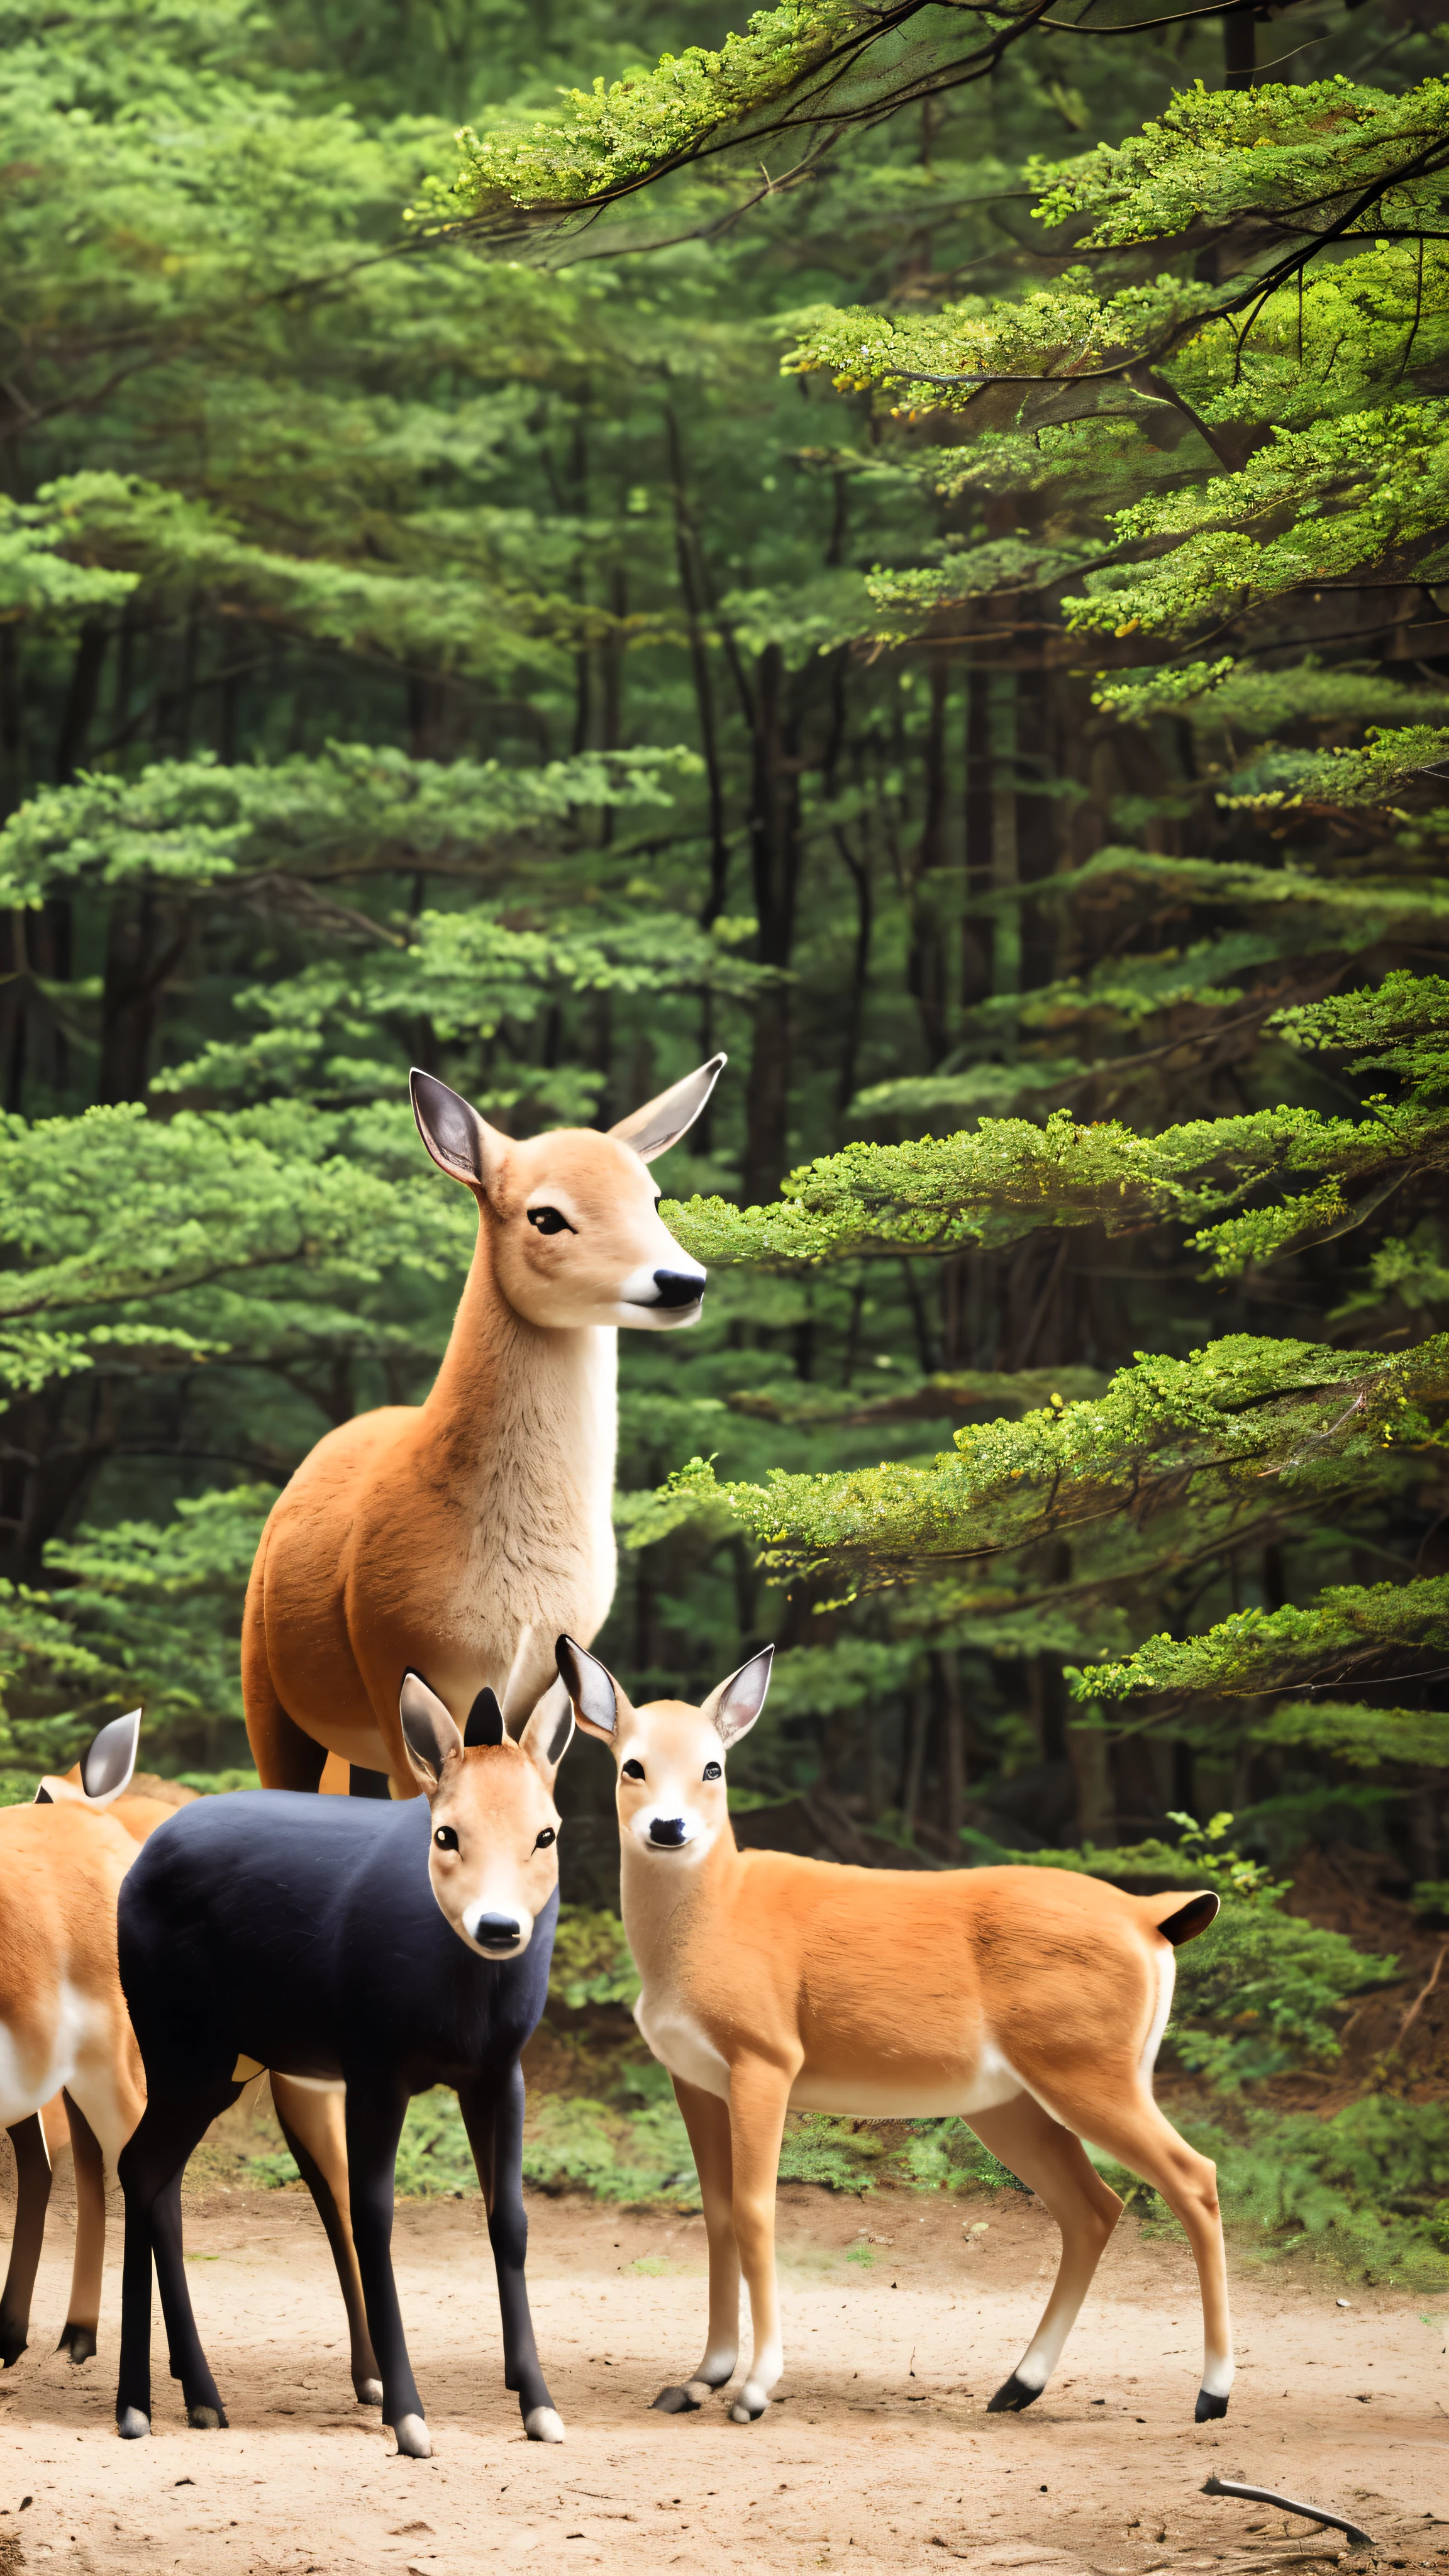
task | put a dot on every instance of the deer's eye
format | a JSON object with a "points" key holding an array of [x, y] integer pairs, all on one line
{"points": [[545, 1838], [548, 1221], [712, 1771], [445, 1838], [633, 1770]]}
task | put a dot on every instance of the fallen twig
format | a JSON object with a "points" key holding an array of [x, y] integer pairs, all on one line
{"points": [[1308, 2512], [1422, 1997]]}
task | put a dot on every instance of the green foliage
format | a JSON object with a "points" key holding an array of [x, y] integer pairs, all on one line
{"points": [[1349, 1625], [1317, 1421], [607, 138], [591, 1961], [1009, 1177], [1365, 2188]]}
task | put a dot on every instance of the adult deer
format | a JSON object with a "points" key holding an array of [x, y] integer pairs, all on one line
{"points": [[63, 2020], [388, 1947], [457, 1537], [1029, 2002]]}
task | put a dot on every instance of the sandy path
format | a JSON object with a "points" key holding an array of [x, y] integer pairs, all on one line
{"points": [[863, 2465]]}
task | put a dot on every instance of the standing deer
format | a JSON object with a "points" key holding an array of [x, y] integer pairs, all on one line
{"points": [[384, 1946], [457, 1537], [1029, 2002], [63, 2027]]}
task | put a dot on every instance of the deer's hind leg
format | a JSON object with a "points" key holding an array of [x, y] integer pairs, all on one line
{"points": [[151, 2166], [708, 2121], [313, 2124], [82, 2315], [1114, 2108], [1051, 2162], [286, 1757], [32, 2198]]}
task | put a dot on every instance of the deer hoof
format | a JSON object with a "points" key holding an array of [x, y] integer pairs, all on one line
{"points": [[12, 2342], [1011, 2396], [749, 2405], [368, 2391], [206, 2419], [1208, 2407], [79, 2342], [412, 2438], [543, 2424], [674, 2401], [131, 2424]]}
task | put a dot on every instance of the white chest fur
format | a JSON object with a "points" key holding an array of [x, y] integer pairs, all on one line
{"points": [[679, 2042]]}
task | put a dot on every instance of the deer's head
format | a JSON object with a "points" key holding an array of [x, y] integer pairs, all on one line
{"points": [[493, 1848], [671, 1786], [576, 1233]]}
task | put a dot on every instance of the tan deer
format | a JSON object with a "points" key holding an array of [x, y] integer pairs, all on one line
{"points": [[64, 2031], [456, 1538], [1029, 2002]]}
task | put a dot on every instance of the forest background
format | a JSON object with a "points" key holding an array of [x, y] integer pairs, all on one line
{"points": [[907, 544]]}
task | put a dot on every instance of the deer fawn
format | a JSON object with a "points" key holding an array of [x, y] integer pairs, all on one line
{"points": [[457, 1537], [63, 2027], [1029, 2002], [386, 1946]]}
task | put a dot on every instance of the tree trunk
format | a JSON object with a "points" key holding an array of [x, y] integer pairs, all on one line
{"points": [[144, 941], [775, 869], [925, 961], [81, 697]]}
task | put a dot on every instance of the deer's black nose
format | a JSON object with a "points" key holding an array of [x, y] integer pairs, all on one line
{"points": [[679, 1287], [668, 1830], [495, 1932]]}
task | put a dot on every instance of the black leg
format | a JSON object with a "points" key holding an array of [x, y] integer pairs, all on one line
{"points": [[205, 2412], [376, 2108], [32, 2197], [493, 2117], [152, 2162]]}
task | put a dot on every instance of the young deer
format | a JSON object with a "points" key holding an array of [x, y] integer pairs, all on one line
{"points": [[386, 1946], [64, 2034], [457, 1537], [1029, 2002]]}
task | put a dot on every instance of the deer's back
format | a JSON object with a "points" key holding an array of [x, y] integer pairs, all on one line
{"points": [[303, 1932]]}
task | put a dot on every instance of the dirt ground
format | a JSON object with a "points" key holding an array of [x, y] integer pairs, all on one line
{"points": [[879, 2453]]}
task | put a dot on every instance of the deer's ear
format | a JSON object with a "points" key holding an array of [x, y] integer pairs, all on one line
{"points": [[592, 1689], [549, 1733], [734, 1707], [110, 1758], [461, 1143], [660, 1123], [429, 1735]]}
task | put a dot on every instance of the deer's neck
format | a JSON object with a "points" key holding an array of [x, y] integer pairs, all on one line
{"points": [[517, 1398], [669, 1911]]}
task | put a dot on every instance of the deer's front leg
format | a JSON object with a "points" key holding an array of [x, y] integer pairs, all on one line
{"points": [[493, 2117], [708, 2121], [376, 2108], [759, 2097]]}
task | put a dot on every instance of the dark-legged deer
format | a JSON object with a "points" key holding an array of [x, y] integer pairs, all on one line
{"points": [[1029, 2002], [457, 1537], [64, 2034], [388, 1946]]}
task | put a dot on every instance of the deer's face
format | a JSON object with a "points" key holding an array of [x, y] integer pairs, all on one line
{"points": [[493, 1852], [671, 1789], [672, 1801], [574, 1216], [492, 1822], [577, 1237]]}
